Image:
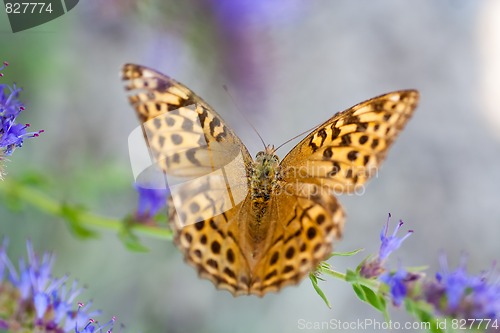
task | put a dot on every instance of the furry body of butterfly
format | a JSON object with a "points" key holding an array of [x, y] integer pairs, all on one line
{"points": [[253, 227]]}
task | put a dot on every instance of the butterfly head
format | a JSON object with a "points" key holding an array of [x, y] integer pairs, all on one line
{"points": [[267, 157], [266, 163], [264, 174]]}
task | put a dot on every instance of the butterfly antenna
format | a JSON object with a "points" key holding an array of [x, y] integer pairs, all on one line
{"points": [[243, 114], [295, 137]]}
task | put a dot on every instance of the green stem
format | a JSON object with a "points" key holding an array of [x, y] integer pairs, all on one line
{"points": [[335, 274], [51, 206]]}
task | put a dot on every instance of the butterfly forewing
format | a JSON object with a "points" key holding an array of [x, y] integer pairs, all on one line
{"points": [[202, 158], [175, 119], [244, 238], [346, 150]]}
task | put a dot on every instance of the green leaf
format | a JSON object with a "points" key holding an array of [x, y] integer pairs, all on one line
{"points": [[359, 291], [375, 299], [363, 262], [131, 241], [371, 297], [344, 254], [314, 281], [72, 214], [423, 312]]}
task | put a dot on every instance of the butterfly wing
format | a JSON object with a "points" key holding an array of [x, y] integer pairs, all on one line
{"points": [[306, 222], [346, 150], [214, 248], [339, 155], [187, 138], [206, 166]]}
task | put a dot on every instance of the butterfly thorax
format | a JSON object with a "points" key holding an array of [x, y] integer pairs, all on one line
{"points": [[264, 177]]}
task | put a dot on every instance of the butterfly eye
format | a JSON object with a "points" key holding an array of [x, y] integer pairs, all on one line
{"points": [[259, 154]]}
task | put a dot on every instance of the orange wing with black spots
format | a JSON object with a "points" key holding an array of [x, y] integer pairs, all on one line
{"points": [[346, 150], [187, 138]]}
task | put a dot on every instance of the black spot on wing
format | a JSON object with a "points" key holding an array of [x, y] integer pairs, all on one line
{"points": [[203, 116], [187, 125], [313, 146], [290, 252], [335, 131], [213, 124], [176, 139], [274, 258], [190, 156], [328, 153], [230, 255], [346, 140], [215, 247], [352, 155], [322, 135], [229, 272], [157, 122], [311, 233]]}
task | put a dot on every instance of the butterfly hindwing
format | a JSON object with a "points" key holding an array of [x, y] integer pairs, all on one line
{"points": [[212, 246], [307, 220]]}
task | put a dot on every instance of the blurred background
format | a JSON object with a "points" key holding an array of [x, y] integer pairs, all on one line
{"points": [[290, 66]]}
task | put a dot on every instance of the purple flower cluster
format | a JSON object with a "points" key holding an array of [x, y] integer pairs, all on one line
{"points": [[31, 299], [459, 294], [453, 294], [12, 135]]}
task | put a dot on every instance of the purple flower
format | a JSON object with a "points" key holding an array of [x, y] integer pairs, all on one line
{"points": [[397, 284], [5, 64], [93, 326], [151, 200], [460, 295], [452, 293], [454, 282], [12, 135], [9, 104], [484, 298], [392, 242], [32, 298], [373, 267]]}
